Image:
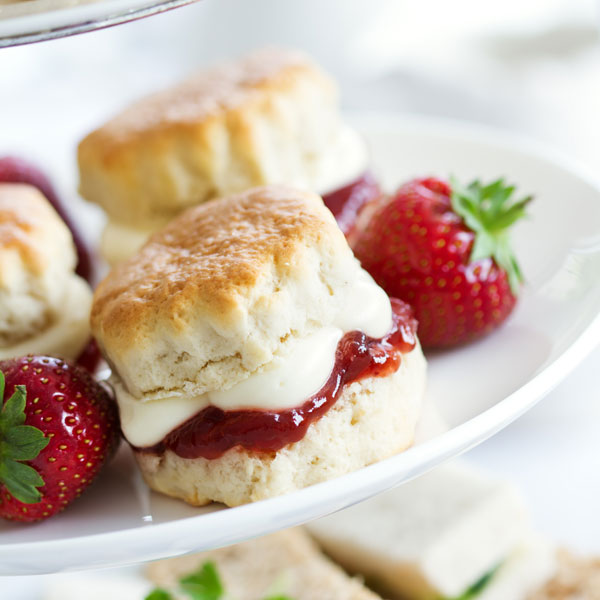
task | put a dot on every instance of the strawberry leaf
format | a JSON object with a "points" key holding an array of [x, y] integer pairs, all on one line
{"points": [[489, 211], [24, 442], [483, 247], [19, 442], [13, 411], [21, 481]]}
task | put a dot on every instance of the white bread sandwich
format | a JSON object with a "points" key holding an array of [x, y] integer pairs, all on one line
{"points": [[271, 117], [252, 355], [44, 305], [450, 534]]}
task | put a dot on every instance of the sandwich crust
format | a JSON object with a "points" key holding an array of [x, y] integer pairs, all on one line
{"points": [[271, 117], [211, 297]]}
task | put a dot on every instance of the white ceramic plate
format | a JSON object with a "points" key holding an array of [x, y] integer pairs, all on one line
{"points": [[27, 21], [478, 389]]}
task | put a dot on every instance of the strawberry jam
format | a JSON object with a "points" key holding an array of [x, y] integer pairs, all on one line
{"points": [[347, 202], [212, 432]]}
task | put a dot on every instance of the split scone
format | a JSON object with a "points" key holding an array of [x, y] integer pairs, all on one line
{"points": [[271, 117], [282, 565], [44, 305], [251, 353]]}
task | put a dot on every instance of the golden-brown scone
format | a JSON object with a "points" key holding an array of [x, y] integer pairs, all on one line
{"points": [[210, 298], [44, 305], [240, 304], [271, 117], [285, 563]]}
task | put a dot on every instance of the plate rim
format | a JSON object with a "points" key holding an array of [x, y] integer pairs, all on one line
{"points": [[376, 477], [68, 20]]}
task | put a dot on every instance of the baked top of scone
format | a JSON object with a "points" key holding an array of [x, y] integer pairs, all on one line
{"points": [[271, 117], [32, 229], [210, 93], [212, 257], [212, 297]]}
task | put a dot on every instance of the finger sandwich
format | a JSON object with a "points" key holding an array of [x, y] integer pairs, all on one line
{"points": [[452, 534]]}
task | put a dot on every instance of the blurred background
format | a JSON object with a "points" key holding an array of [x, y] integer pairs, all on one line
{"points": [[527, 66], [531, 66]]}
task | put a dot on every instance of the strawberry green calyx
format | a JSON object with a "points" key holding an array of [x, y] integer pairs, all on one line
{"points": [[19, 443], [489, 211]]}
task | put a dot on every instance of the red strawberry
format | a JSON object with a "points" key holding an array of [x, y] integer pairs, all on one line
{"points": [[347, 202], [17, 170], [445, 250], [57, 428], [90, 356]]}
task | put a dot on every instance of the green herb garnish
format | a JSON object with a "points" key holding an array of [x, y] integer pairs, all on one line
{"points": [[203, 584], [478, 586]]}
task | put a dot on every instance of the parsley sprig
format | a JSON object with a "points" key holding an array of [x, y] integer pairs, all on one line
{"points": [[203, 584]]}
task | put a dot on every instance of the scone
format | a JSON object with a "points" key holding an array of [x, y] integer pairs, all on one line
{"points": [[282, 565], [44, 305], [252, 355], [271, 117]]}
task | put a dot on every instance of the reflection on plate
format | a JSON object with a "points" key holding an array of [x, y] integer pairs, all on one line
{"points": [[27, 21], [477, 389]]}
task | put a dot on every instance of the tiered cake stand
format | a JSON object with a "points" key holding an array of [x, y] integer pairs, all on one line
{"points": [[473, 391]]}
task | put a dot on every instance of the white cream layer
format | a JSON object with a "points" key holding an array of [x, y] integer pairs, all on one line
{"points": [[297, 371], [347, 161], [119, 241]]}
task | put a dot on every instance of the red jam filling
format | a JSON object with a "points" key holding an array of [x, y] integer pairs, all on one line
{"points": [[346, 203], [212, 432]]}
